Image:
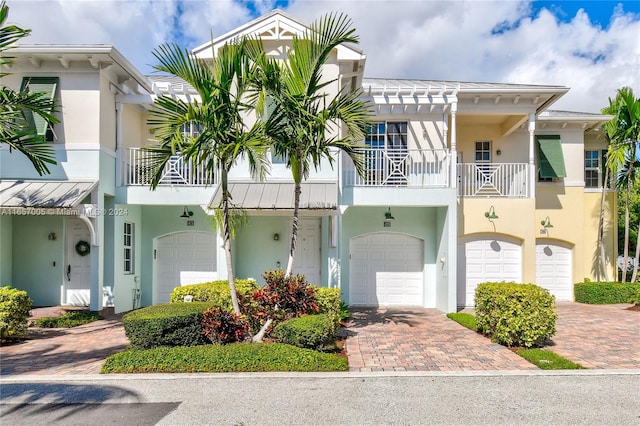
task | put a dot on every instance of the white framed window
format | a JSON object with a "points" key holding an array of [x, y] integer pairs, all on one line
{"points": [[277, 159], [128, 248], [483, 152], [190, 130], [387, 135], [591, 169]]}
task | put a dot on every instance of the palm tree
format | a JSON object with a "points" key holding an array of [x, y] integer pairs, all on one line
{"points": [[15, 107], [309, 120], [223, 135], [624, 133]]}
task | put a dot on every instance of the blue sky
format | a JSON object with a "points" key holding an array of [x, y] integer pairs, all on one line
{"points": [[591, 46]]}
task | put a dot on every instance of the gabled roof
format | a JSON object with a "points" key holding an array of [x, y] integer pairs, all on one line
{"points": [[275, 25]]}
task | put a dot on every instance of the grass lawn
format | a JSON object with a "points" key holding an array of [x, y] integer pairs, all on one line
{"points": [[544, 359], [236, 357], [547, 360], [67, 320]]}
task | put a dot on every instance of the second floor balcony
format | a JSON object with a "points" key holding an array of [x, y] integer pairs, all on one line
{"points": [[137, 170], [493, 180]]}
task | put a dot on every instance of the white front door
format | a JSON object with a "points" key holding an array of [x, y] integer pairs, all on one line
{"points": [[77, 280], [183, 258], [554, 270], [386, 269], [486, 260], [307, 260]]}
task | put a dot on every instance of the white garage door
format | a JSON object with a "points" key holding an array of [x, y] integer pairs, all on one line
{"points": [[554, 270], [486, 260], [386, 269], [183, 254]]}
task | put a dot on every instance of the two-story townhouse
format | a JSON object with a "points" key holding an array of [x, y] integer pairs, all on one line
{"points": [[465, 183]]}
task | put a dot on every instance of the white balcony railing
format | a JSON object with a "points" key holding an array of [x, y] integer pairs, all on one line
{"points": [[137, 170], [400, 167], [493, 180]]}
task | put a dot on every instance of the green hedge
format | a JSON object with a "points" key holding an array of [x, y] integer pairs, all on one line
{"points": [[515, 314], [329, 303], [14, 312], [172, 324], [236, 357], [605, 293], [217, 292], [308, 331]]}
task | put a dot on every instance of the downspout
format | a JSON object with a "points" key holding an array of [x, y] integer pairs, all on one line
{"points": [[454, 152], [118, 144]]}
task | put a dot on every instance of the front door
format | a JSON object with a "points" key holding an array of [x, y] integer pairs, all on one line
{"points": [[77, 280], [307, 260]]}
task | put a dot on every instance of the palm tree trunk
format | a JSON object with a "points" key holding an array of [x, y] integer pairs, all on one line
{"points": [[603, 258], [636, 265], [227, 242], [632, 156], [294, 228]]}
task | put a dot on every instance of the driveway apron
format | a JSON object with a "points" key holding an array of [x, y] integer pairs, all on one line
{"points": [[421, 340]]}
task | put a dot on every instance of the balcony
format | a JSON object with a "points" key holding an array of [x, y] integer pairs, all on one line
{"points": [[137, 171], [408, 168], [493, 180]]}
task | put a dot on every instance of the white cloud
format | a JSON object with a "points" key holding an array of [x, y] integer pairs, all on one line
{"points": [[446, 40]]}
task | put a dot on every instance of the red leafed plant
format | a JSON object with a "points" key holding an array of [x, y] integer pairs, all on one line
{"points": [[223, 327], [284, 297]]}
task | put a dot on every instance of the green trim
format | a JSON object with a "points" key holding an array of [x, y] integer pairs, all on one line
{"points": [[47, 86], [550, 158]]}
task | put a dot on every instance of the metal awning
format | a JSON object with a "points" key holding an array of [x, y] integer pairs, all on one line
{"points": [[279, 196], [15, 194]]}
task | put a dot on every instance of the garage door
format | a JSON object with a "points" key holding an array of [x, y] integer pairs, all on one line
{"points": [[183, 256], [485, 260], [386, 269], [554, 270]]}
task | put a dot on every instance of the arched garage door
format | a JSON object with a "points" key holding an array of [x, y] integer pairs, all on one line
{"points": [[386, 269], [183, 258], [486, 260], [554, 269]]}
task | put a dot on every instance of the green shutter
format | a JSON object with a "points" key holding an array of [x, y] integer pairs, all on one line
{"points": [[47, 86], [550, 158]]}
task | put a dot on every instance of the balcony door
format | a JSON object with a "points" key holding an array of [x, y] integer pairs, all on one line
{"points": [[387, 156]]}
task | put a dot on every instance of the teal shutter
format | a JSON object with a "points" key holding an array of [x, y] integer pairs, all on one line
{"points": [[47, 87], [550, 158]]}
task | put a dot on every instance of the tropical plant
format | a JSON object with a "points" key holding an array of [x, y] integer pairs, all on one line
{"points": [[16, 107], [222, 85], [293, 94], [624, 134]]}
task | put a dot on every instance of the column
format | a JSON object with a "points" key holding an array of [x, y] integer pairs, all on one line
{"points": [[532, 165]]}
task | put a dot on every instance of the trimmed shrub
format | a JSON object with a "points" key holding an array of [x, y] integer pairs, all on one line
{"points": [[217, 292], [603, 293], [515, 314], [223, 327], [236, 357], [14, 312], [636, 298], [309, 331], [67, 320], [329, 303], [283, 297], [172, 324]]}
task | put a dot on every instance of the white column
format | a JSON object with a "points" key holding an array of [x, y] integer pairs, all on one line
{"points": [[119, 144], [454, 152], [532, 164]]}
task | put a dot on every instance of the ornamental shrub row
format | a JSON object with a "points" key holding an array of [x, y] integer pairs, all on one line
{"points": [[14, 312], [310, 331], [604, 293], [172, 324], [216, 292], [515, 314]]}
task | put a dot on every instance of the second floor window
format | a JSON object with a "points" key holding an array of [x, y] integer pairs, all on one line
{"points": [[47, 86], [190, 130], [387, 135], [594, 163], [483, 152]]}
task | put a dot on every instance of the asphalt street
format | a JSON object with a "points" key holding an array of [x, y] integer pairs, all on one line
{"points": [[517, 398]]}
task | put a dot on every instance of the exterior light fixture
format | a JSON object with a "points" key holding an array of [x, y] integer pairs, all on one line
{"points": [[276, 237], [388, 215], [546, 223], [186, 213], [491, 214]]}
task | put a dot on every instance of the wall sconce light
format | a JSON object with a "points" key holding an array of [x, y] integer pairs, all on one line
{"points": [[186, 213], [491, 214], [276, 237], [499, 152], [546, 223], [388, 215], [52, 236]]}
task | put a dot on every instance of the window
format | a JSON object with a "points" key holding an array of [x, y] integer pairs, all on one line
{"points": [[128, 248], [190, 130], [483, 152], [47, 87], [277, 159], [591, 169], [386, 158], [550, 158]]}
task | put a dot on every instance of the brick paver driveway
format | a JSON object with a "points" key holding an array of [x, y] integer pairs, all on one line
{"points": [[421, 340], [598, 336]]}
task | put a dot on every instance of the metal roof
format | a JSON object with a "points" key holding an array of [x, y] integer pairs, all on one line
{"points": [[280, 196], [43, 193]]}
